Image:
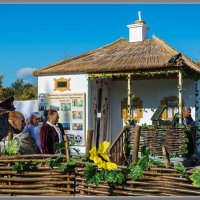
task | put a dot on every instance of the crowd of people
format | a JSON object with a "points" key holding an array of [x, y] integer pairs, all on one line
{"points": [[37, 134]]}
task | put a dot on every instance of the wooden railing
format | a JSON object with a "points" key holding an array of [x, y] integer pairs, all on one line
{"points": [[117, 150]]}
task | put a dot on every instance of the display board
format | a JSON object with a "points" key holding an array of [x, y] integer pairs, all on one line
{"points": [[71, 110]]}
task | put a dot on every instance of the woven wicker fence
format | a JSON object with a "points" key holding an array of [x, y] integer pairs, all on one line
{"points": [[155, 182], [174, 139], [53, 182], [43, 181]]}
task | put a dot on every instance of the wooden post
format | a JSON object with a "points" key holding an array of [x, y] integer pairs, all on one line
{"points": [[129, 98], [10, 136], [98, 116], [180, 82], [136, 142], [67, 156], [89, 141], [165, 156]]}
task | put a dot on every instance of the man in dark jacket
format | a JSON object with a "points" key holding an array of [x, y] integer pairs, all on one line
{"points": [[190, 123], [187, 118], [7, 105]]}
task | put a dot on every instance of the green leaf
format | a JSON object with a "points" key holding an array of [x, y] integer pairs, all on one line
{"points": [[13, 148], [135, 172], [72, 142], [156, 163], [60, 147], [195, 177], [90, 170], [120, 178], [67, 164], [96, 179], [91, 174], [145, 151], [111, 177], [25, 166], [143, 163], [180, 168], [56, 162], [77, 151]]}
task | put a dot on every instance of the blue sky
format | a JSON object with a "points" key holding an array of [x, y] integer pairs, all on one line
{"points": [[34, 36]]}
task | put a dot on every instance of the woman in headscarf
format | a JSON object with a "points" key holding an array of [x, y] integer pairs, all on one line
{"points": [[33, 128]]}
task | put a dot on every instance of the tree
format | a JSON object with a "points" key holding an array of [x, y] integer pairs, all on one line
{"points": [[19, 89], [4, 92], [30, 92], [1, 81], [24, 91]]}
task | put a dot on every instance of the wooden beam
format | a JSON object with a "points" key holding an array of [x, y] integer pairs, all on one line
{"points": [[89, 141], [180, 106], [121, 74], [136, 142], [66, 140], [129, 97]]}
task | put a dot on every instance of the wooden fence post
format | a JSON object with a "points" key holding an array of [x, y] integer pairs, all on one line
{"points": [[67, 155], [136, 142], [89, 141], [10, 136]]}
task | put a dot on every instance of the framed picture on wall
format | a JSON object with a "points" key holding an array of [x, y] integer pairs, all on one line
{"points": [[62, 84]]}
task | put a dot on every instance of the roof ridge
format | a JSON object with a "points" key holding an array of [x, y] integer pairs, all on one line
{"points": [[187, 60], [80, 55]]}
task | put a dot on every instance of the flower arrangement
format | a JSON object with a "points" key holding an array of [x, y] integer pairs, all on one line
{"points": [[110, 173]]}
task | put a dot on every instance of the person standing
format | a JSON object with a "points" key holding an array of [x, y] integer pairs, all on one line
{"points": [[187, 118], [51, 132], [190, 124], [33, 128], [7, 105]]}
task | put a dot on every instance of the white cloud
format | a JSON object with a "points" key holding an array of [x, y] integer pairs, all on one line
{"points": [[25, 73]]}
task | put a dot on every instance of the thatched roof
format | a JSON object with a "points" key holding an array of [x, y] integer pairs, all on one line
{"points": [[120, 56]]}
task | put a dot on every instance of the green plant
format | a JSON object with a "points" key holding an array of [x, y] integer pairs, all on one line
{"points": [[69, 163], [25, 166], [180, 168], [13, 148], [56, 162], [195, 177], [60, 147], [95, 176]]}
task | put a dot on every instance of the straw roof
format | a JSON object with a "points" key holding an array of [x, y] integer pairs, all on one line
{"points": [[120, 56]]}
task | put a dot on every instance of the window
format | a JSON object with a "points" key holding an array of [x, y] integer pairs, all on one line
{"points": [[137, 113], [62, 84], [172, 107]]}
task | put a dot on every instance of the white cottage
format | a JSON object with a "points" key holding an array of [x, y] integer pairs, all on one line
{"points": [[153, 72]]}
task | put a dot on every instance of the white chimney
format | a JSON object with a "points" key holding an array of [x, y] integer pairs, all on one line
{"points": [[138, 31]]}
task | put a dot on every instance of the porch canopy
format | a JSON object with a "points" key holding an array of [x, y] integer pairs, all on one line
{"points": [[147, 59]]}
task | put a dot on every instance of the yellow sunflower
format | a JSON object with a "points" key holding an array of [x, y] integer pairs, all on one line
{"points": [[101, 158]]}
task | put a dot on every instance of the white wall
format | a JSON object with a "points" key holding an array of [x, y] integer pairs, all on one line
{"points": [[78, 83], [150, 92], [26, 107]]}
